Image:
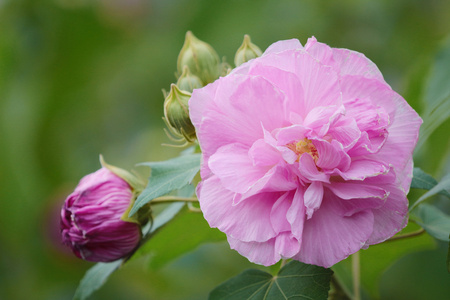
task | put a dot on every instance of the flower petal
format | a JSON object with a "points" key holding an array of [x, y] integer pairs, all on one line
{"points": [[233, 166], [313, 197], [363, 168], [329, 237], [246, 221], [307, 168], [279, 212], [296, 214], [391, 217]]}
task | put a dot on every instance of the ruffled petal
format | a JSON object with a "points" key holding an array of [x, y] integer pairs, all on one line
{"points": [[313, 197], [233, 166], [279, 212], [308, 169], [363, 168], [350, 190], [246, 221], [296, 214], [320, 83], [331, 155], [267, 253], [280, 46], [348, 62], [328, 237], [391, 217]]}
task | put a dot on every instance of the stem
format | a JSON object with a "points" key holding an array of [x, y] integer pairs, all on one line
{"points": [[283, 263], [169, 199], [406, 235], [356, 276]]}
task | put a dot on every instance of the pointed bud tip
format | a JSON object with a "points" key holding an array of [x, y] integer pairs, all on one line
{"points": [[246, 51]]}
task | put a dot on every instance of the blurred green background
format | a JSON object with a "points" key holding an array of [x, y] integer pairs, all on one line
{"points": [[84, 77]]}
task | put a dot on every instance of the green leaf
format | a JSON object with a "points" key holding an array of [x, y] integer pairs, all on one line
{"points": [[443, 185], [437, 95], [448, 255], [183, 234], [94, 278], [295, 280], [169, 213], [167, 176], [424, 181], [434, 221]]}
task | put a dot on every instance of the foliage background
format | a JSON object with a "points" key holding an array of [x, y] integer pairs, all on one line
{"points": [[83, 77]]}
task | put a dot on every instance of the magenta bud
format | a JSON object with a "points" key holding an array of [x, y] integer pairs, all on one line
{"points": [[91, 221]]}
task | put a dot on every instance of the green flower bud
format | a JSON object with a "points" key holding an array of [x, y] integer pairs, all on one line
{"points": [[188, 82], [176, 113], [201, 59], [246, 51]]}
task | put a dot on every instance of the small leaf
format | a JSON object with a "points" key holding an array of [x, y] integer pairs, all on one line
{"points": [[295, 280], [94, 278], [443, 185], [434, 221], [424, 181], [167, 176]]}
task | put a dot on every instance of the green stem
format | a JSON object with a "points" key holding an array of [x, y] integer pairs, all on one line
{"points": [[356, 276], [283, 263], [170, 199], [406, 235]]}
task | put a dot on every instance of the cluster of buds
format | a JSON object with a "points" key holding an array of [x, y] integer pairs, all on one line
{"points": [[198, 65]]}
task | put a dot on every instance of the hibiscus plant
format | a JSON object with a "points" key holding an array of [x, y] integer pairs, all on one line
{"points": [[300, 157]]}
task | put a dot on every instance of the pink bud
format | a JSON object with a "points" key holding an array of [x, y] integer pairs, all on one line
{"points": [[91, 218]]}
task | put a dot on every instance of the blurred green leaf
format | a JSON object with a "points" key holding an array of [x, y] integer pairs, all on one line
{"points": [[167, 176], [168, 213], [433, 220], [183, 234], [422, 275], [94, 278], [377, 258], [443, 185], [448, 255], [424, 181], [294, 280], [437, 94]]}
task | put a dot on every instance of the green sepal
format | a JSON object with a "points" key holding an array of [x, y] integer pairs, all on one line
{"points": [[142, 216], [136, 184]]}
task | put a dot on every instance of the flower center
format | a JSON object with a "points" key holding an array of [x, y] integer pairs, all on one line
{"points": [[304, 146]]}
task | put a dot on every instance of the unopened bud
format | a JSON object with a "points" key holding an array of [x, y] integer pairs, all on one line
{"points": [[201, 59], [246, 51], [188, 81], [91, 218], [176, 113]]}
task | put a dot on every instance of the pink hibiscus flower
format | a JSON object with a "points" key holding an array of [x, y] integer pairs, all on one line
{"points": [[307, 154]]}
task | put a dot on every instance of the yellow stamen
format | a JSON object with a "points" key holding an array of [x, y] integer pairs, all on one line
{"points": [[304, 146]]}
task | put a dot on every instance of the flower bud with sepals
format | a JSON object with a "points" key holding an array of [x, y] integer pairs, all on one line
{"points": [[94, 221], [201, 59], [188, 81], [246, 51], [176, 113]]}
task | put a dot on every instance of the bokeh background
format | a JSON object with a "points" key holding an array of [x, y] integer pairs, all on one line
{"points": [[84, 77]]}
